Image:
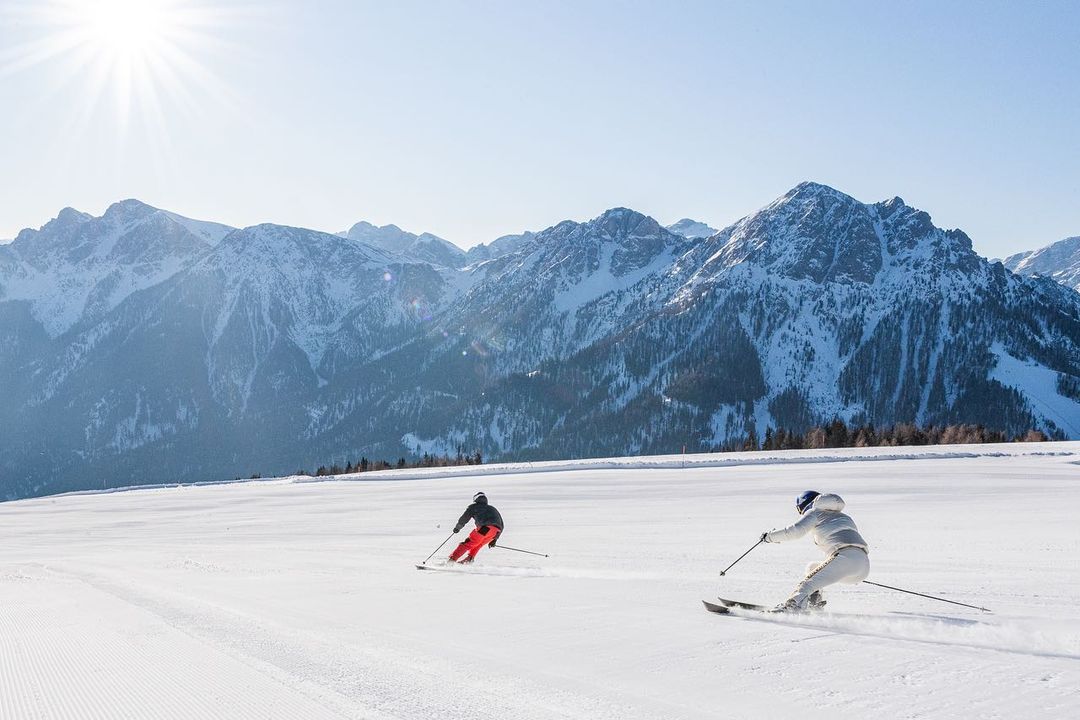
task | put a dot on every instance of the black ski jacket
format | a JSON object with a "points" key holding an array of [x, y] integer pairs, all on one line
{"points": [[482, 513]]}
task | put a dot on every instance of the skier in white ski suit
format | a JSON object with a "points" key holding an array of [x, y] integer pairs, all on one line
{"points": [[835, 533]]}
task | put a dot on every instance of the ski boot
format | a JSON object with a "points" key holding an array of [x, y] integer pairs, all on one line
{"points": [[816, 601], [788, 606]]}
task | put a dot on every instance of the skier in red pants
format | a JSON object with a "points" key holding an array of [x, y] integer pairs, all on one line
{"points": [[489, 524]]}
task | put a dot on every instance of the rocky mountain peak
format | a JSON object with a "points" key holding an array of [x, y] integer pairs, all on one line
{"points": [[898, 214], [810, 191], [691, 229], [358, 229], [67, 218], [70, 216], [812, 232], [818, 233], [621, 224], [129, 210]]}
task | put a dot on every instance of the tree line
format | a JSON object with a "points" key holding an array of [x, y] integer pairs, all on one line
{"points": [[366, 465], [424, 461], [838, 435]]}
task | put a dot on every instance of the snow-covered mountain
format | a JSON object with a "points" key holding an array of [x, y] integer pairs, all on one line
{"points": [[691, 229], [815, 307], [76, 267], [416, 248], [173, 355], [1060, 261], [217, 361]]}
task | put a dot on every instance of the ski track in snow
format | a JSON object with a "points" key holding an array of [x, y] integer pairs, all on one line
{"points": [[1025, 636], [300, 600]]}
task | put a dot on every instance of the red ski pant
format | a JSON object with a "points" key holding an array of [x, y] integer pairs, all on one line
{"points": [[477, 539]]}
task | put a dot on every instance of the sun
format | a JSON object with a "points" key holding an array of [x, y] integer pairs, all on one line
{"points": [[127, 29], [140, 53]]}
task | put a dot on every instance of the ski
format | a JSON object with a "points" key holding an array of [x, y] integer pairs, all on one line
{"points": [[737, 605], [450, 567], [718, 609], [743, 605]]}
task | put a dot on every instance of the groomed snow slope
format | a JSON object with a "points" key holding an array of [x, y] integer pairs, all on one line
{"points": [[280, 599]]}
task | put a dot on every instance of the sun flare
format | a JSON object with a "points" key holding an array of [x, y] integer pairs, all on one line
{"points": [[139, 52]]}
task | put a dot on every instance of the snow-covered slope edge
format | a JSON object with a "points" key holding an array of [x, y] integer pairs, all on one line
{"points": [[724, 460], [691, 460]]}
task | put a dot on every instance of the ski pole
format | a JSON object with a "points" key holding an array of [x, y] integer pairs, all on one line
{"points": [[724, 571], [912, 592], [437, 549], [527, 552]]}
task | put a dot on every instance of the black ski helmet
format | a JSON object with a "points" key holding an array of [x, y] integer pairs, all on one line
{"points": [[806, 500], [479, 497]]}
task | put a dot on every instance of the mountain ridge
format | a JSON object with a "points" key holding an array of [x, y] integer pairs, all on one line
{"points": [[211, 352]]}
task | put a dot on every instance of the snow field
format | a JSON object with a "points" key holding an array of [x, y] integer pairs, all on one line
{"points": [[284, 599]]}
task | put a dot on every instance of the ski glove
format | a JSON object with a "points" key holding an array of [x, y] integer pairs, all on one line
{"points": [[765, 537], [457, 529]]}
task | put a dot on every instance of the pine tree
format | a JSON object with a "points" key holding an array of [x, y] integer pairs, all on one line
{"points": [[751, 440], [836, 434]]}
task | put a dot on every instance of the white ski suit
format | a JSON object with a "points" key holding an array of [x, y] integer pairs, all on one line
{"points": [[835, 533]]}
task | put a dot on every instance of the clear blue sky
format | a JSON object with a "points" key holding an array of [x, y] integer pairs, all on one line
{"points": [[474, 119]]}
